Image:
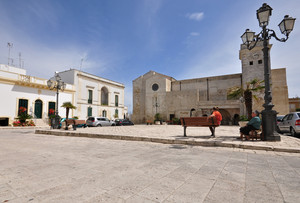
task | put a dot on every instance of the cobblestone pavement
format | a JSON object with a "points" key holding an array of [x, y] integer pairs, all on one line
{"points": [[226, 136], [43, 168]]}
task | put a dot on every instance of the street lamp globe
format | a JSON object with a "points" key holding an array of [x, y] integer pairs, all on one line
{"points": [[50, 84], [287, 25], [248, 37], [263, 14]]}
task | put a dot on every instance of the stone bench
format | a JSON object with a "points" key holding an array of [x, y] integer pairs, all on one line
{"points": [[198, 122]]}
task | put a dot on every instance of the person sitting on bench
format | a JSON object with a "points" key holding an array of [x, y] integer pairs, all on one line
{"points": [[218, 116], [253, 124]]}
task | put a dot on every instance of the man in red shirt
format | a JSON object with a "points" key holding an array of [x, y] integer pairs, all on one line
{"points": [[218, 116]]}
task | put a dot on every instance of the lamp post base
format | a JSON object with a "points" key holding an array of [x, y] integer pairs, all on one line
{"points": [[55, 122], [268, 125]]}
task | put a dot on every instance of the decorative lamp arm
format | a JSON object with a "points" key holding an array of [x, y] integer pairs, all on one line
{"points": [[255, 40], [273, 34]]}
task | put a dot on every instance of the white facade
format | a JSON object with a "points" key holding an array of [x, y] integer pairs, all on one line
{"points": [[92, 95], [95, 96], [16, 86]]}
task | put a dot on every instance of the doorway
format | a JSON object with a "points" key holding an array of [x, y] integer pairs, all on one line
{"points": [[38, 108]]}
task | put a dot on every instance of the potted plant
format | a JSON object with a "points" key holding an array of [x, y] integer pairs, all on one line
{"points": [[157, 119], [23, 116]]}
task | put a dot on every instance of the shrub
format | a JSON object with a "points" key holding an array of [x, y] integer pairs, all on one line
{"points": [[30, 123], [16, 123], [176, 121], [157, 117], [26, 123], [23, 116], [243, 118]]}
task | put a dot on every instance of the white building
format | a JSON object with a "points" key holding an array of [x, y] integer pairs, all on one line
{"points": [[92, 95], [95, 96], [21, 90]]}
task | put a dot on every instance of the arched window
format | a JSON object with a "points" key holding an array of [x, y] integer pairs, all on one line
{"points": [[38, 108], [104, 96]]}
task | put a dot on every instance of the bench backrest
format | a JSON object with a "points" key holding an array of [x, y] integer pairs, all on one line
{"points": [[75, 122], [70, 121], [199, 121]]}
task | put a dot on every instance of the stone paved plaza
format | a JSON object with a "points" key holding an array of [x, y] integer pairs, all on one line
{"points": [[46, 168], [226, 136]]}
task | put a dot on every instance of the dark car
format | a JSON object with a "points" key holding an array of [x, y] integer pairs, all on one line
{"points": [[120, 122]]}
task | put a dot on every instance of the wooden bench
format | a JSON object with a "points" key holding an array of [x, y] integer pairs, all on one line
{"points": [[198, 122], [75, 123], [255, 134]]}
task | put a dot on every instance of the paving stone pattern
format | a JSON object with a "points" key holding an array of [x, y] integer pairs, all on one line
{"points": [[43, 168]]}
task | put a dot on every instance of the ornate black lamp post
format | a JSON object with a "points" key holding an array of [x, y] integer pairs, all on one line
{"points": [[250, 39], [58, 84]]}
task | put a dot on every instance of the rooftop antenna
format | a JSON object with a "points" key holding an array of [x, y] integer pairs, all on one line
{"points": [[9, 45], [81, 63], [20, 60]]}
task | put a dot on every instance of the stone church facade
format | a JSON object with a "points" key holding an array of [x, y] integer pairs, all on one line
{"points": [[157, 93]]}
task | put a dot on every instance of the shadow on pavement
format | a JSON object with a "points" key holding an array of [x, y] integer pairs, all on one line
{"points": [[178, 146]]}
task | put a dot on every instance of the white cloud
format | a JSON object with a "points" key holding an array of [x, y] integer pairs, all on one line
{"points": [[195, 16], [194, 34]]}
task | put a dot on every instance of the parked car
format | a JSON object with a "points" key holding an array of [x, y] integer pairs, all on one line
{"points": [[123, 122], [290, 123], [99, 121], [278, 120]]}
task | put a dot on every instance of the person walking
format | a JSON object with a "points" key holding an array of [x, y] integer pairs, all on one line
{"points": [[218, 116]]}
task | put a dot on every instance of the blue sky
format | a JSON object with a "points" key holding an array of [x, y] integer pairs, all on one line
{"points": [[123, 39]]}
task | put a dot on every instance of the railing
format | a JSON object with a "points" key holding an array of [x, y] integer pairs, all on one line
{"points": [[25, 78]]}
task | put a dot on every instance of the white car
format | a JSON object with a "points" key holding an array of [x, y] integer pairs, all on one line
{"points": [[99, 121], [290, 123]]}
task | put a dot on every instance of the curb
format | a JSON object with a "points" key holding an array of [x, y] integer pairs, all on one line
{"points": [[22, 127], [169, 141]]}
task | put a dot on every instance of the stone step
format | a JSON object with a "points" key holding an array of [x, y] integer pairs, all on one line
{"points": [[40, 122]]}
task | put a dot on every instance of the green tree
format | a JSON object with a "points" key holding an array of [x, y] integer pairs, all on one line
{"points": [[254, 85], [68, 106]]}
